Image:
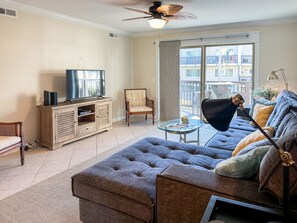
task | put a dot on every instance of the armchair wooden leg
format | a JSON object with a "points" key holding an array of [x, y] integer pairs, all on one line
{"points": [[145, 116], [128, 120], [153, 119], [22, 155]]}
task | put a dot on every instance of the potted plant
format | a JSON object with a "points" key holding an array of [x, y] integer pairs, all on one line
{"points": [[265, 92]]}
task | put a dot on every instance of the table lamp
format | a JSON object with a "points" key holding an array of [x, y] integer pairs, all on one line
{"points": [[220, 112], [273, 76]]}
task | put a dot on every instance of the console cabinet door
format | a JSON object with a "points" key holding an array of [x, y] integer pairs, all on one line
{"points": [[104, 115], [65, 124]]}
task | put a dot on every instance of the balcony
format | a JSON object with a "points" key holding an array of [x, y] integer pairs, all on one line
{"points": [[229, 59], [190, 61], [190, 94]]}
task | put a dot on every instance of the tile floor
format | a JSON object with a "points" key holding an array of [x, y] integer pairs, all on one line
{"points": [[41, 163]]}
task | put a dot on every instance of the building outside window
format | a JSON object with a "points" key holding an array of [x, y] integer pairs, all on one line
{"points": [[193, 72], [228, 70]]}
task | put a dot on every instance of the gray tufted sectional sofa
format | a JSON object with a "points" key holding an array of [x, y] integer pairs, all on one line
{"points": [[154, 180]]}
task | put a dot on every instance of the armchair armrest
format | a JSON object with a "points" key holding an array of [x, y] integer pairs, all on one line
{"points": [[149, 102], [127, 105], [191, 189], [11, 129]]}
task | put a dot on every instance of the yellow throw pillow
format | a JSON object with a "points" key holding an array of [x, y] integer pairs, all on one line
{"points": [[261, 113], [253, 137]]}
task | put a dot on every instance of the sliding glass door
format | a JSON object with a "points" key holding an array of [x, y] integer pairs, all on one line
{"points": [[214, 72], [190, 81]]}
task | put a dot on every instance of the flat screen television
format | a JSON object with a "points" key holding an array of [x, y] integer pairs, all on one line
{"points": [[84, 84]]}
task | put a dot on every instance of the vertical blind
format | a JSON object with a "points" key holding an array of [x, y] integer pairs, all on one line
{"points": [[169, 80]]}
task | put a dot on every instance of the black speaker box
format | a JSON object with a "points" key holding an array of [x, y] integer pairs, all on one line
{"points": [[47, 98], [54, 98], [50, 98]]}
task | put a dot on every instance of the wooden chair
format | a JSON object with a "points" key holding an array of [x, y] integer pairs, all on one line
{"points": [[137, 103], [11, 137]]}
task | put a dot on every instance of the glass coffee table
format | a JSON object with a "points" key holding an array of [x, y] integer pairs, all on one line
{"points": [[176, 127]]}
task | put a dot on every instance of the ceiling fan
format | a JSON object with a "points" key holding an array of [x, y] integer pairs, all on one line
{"points": [[158, 14]]}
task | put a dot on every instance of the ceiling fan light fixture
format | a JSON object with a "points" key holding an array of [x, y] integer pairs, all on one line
{"points": [[157, 23]]}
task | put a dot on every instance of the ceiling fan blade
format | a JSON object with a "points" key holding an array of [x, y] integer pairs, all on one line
{"points": [[169, 9], [138, 10], [143, 17], [181, 15]]}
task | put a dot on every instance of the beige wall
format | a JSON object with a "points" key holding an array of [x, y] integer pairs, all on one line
{"points": [[36, 50], [145, 64], [277, 49]]}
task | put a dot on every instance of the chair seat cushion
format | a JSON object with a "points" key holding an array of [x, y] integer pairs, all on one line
{"points": [[6, 141], [140, 109]]}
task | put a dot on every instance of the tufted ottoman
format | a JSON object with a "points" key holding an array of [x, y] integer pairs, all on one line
{"points": [[122, 188]]}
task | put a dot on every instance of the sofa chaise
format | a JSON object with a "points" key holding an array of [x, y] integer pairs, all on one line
{"points": [[154, 180]]}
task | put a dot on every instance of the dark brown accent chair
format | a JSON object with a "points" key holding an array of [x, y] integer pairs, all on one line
{"points": [[137, 103], [11, 137]]}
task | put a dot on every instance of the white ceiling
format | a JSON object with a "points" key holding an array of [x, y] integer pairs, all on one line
{"points": [[110, 13]]}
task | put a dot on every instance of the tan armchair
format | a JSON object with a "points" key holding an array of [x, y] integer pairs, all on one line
{"points": [[137, 103], [11, 137]]}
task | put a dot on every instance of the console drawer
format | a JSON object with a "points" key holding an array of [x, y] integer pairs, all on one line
{"points": [[86, 129]]}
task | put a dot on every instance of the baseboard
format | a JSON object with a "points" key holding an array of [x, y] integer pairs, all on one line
{"points": [[124, 117]]}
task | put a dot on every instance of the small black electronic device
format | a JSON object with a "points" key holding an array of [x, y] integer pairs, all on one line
{"points": [[47, 98], [50, 98], [54, 98]]}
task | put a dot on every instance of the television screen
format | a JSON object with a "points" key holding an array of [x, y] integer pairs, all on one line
{"points": [[81, 84]]}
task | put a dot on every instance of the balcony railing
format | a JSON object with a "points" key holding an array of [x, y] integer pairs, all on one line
{"points": [[190, 92], [190, 60], [233, 59], [229, 59]]}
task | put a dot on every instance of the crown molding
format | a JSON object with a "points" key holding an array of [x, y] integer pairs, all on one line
{"points": [[34, 10], [54, 15], [287, 20]]}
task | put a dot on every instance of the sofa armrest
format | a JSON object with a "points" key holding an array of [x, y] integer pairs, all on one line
{"points": [[184, 192]]}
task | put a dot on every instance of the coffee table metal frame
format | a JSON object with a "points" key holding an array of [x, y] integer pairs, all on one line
{"points": [[176, 127]]}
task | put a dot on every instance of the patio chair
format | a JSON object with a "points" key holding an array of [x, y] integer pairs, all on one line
{"points": [[137, 103], [11, 137]]}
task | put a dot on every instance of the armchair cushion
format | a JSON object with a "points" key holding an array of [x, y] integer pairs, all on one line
{"points": [[136, 97], [6, 141], [140, 109], [137, 103]]}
